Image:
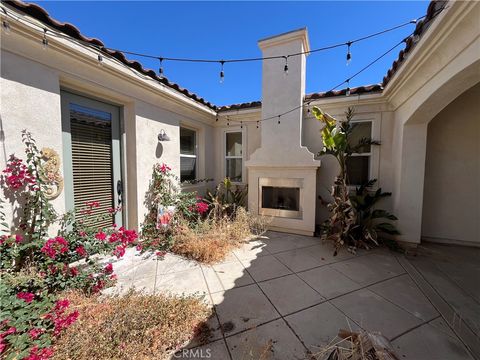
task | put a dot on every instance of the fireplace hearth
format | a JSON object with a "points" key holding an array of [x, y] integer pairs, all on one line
{"points": [[280, 197]]}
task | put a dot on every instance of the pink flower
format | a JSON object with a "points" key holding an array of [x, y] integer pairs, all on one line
{"points": [[201, 207], [139, 247], [119, 251], [164, 168], [54, 246], [80, 250], [161, 253], [26, 296], [37, 354], [113, 277], [18, 238], [101, 236], [73, 271], [92, 204], [82, 233], [35, 333], [19, 175], [10, 331], [108, 269]]}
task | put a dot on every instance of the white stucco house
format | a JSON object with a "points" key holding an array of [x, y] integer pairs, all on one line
{"points": [[425, 113]]}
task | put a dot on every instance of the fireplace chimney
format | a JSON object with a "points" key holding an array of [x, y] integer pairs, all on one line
{"points": [[282, 172]]}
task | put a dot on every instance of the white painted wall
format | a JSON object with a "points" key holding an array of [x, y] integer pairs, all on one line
{"points": [[451, 205]]}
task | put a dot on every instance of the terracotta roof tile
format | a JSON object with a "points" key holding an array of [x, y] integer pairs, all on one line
{"points": [[246, 105], [42, 15]]}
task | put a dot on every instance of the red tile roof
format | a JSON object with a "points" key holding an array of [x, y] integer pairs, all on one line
{"points": [[42, 15]]}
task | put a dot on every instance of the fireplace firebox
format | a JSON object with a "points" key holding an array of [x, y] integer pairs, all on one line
{"points": [[280, 197]]}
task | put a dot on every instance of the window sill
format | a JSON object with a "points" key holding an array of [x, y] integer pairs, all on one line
{"points": [[192, 186]]}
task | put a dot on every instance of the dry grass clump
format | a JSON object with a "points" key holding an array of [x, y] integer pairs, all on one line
{"points": [[213, 239], [134, 326]]}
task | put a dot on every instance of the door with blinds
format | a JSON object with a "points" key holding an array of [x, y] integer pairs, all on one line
{"points": [[91, 146]]}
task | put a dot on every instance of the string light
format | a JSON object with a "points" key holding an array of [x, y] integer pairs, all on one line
{"points": [[222, 74], [347, 91], [160, 69], [228, 121], [45, 40], [100, 59], [241, 124], [285, 68], [216, 117], [258, 122], [279, 118], [349, 54]]}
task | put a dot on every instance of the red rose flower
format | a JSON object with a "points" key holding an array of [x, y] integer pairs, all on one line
{"points": [[101, 236], [80, 250], [108, 269], [26, 296]]}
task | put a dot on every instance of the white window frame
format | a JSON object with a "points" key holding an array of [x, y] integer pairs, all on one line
{"points": [[226, 157], [195, 156], [374, 153]]}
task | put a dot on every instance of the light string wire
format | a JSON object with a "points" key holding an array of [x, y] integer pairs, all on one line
{"points": [[100, 48]]}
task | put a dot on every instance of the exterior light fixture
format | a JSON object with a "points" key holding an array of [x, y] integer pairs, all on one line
{"points": [[347, 91], [6, 26], [100, 60], [285, 68], [162, 136]]}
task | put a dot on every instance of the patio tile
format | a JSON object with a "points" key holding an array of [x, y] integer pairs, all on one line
{"points": [[226, 276], [428, 342], [269, 341], [243, 308], [171, 263], [373, 313], [280, 244], [403, 292], [368, 269], [214, 351], [328, 281], [144, 268], [265, 267], [290, 294], [188, 282], [300, 259], [251, 250], [274, 235], [319, 325]]}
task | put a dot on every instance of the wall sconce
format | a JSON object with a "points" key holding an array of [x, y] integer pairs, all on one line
{"points": [[163, 136]]}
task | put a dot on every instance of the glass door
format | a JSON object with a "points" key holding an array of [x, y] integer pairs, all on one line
{"points": [[92, 163]]}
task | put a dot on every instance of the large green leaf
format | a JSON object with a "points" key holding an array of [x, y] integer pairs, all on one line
{"points": [[387, 228]]}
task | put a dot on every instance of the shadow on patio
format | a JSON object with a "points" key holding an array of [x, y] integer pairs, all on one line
{"points": [[285, 297]]}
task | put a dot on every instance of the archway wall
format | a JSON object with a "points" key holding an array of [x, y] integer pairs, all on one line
{"points": [[444, 65], [451, 198]]}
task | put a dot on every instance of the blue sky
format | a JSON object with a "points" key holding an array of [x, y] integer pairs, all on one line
{"points": [[231, 30]]}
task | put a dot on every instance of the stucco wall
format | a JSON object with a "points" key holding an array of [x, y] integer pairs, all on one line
{"points": [[451, 203], [30, 99]]}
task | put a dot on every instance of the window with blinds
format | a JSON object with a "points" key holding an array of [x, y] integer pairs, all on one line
{"points": [[91, 135]]}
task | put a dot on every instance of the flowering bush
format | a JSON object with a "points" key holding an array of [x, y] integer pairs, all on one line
{"points": [[30, 321], [36, 267]]}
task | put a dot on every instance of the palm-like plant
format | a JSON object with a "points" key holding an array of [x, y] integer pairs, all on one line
{"points": [[370, 221], [352, 221]]}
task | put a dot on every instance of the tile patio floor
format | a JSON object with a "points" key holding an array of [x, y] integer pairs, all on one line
{"points": [[288, 291]]}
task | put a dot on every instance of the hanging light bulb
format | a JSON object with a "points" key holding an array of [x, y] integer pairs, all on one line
{"points": [[349, 54], [222, 74], [279, 119], [228, 121], [347, 91], [100, 60], [160, 69], [45, 40], [258, 122], [216, 118], [241, 124], [285, 68], [415, 38]]}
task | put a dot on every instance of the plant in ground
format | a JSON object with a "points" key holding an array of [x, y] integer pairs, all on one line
{"points": [[36, 266], [226, 198], [370, 222], [349, 222], [135, 326]]}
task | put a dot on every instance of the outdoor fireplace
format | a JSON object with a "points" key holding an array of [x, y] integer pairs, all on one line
{"points": [[280, 197]]}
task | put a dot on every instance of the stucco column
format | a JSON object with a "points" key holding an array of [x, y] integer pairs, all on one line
{"points": [[410, 173]]}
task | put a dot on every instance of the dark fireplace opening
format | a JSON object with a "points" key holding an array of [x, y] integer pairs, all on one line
{"points": [[282, 198]]}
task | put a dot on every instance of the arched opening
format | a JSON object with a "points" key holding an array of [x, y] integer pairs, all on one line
{"points": [[451, 197]]}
